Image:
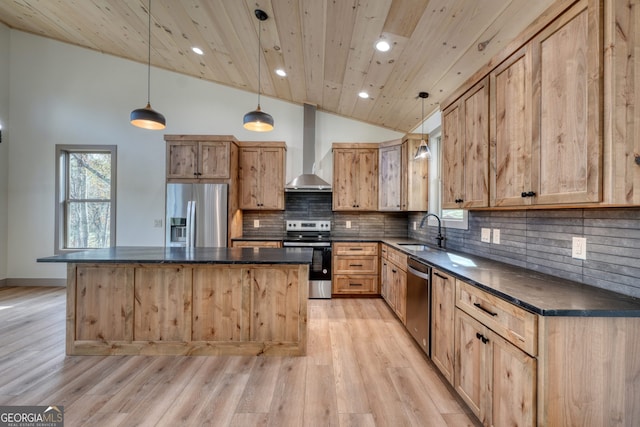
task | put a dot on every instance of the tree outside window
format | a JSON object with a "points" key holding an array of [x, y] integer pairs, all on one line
{"points": [[85, 194]]}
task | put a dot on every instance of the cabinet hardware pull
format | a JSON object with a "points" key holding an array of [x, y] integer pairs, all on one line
{"points": [[394, 270], [482, 338], [355, 284], [528, 194], [356, 249], [355, 265], [441, 276], [484, 309]]}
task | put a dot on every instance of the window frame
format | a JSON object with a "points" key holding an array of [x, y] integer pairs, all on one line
{"points": [[435, 186], [62, 188]]}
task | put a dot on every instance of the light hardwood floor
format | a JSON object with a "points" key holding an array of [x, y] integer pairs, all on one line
{"points": [[362, 369]]}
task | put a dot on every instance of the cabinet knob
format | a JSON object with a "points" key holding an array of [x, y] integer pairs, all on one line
{"points": [[458, 200]]}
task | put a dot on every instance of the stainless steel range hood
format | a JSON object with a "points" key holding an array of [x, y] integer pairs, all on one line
{"points": [[308, 181]]}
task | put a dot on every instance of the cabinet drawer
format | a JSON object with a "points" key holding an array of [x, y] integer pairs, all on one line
{"points": [[256, 244], [513, 323], [355, 248], [399, 258], [343, 284], [355, 265]]}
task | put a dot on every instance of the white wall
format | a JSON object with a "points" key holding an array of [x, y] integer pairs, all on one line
{"points": [[4, 146], [62, 94]]}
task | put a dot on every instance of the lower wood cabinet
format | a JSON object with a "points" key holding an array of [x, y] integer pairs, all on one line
{"points": [[393, 277], [443, 305], [355, 268], [256, 244], [496, 379]]}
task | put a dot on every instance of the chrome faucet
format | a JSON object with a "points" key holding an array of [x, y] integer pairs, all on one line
{"points": [[440, 237]]}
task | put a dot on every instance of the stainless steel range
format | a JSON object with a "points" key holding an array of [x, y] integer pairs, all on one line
{"points": [[314, 234]]}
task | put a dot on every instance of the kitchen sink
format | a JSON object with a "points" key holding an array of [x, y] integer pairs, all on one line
{"points": [[415, 247]]}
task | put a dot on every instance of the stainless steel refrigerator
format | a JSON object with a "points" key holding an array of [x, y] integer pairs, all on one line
{"points": [[196, 215]]}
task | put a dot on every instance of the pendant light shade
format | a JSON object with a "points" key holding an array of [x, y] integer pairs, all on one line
{"points": [[257, 120], [147, 117], [423, 151]]}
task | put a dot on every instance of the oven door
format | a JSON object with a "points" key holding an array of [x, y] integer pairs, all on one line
{"points": [[320, 268]]}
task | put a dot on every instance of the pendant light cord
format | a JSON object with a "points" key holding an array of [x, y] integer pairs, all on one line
{"points": [[259, 48], [149, 58], [422, 116]]}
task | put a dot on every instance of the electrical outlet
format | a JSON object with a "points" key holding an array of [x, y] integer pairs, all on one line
{"points": [[157, 223], [496, 236], [486, 235], [579, 248], [348, 224], [256, 223], [415, 225]]}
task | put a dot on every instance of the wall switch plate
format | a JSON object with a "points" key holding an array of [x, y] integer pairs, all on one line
{"points": [[486, 235], [415, 225], [157, 223], [256, 223], [348, 224], [496, 236], [579, 248]]}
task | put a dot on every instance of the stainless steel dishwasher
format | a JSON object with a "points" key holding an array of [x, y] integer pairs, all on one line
{"points": [[419, 303]]}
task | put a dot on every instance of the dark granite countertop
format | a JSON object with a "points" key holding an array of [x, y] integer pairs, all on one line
{"points": [[162, 255], [537, 292]]}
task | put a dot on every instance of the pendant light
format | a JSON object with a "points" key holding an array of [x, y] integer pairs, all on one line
{"points": [[257, 120], [423, 151], [147, 117]]}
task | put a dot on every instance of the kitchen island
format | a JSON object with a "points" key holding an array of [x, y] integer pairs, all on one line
{"points": [[179, 301]]}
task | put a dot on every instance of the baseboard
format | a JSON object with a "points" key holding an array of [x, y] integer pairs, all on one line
{"points": [[3, 283], [34, 282]]}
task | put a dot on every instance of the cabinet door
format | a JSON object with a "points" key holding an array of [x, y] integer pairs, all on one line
{"points": [[566, 167], [476, 146], [272, 178], [249, 170], [442, 312], [511, 130], [513, 385], [452, 158], [415, 185], [471, 364], [345, 174], [367, 180], [182, 159], [400, 291], [384, 281], [214, 159], [390, 178]]}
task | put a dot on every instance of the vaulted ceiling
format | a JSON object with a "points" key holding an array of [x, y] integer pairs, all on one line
{"points": [[325, 46]]}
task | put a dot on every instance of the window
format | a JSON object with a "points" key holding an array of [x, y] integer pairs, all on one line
{"points": [[451, 218], [85, 197]]}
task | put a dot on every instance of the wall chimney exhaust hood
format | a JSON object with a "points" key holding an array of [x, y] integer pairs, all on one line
{"points": [[308, 181]]}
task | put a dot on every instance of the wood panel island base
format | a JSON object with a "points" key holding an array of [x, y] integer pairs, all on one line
{"points": [[174, 307]]}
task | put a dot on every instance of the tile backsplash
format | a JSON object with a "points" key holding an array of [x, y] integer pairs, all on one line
{"points": [[539, 240]]}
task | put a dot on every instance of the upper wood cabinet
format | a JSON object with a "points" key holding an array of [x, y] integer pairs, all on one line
{"points": [[403, 182], [465, 152], [261, 175], [199, 157], [512, 130], [546, 116], [567, 58], [355, 177]]}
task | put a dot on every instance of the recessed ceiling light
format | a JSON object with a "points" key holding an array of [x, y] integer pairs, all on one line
{"points": [[197, 50], [363, 95], [281, 72], [383, 45]]}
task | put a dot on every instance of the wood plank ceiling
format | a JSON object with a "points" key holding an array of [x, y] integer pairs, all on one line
{"points": [[325, 46]]}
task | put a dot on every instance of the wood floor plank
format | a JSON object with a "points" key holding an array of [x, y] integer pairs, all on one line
{"points": [[351, 390], [362, 369]]}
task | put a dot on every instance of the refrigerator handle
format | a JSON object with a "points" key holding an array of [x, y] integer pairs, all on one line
{"points": [[189, 234], [192, 230]]}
